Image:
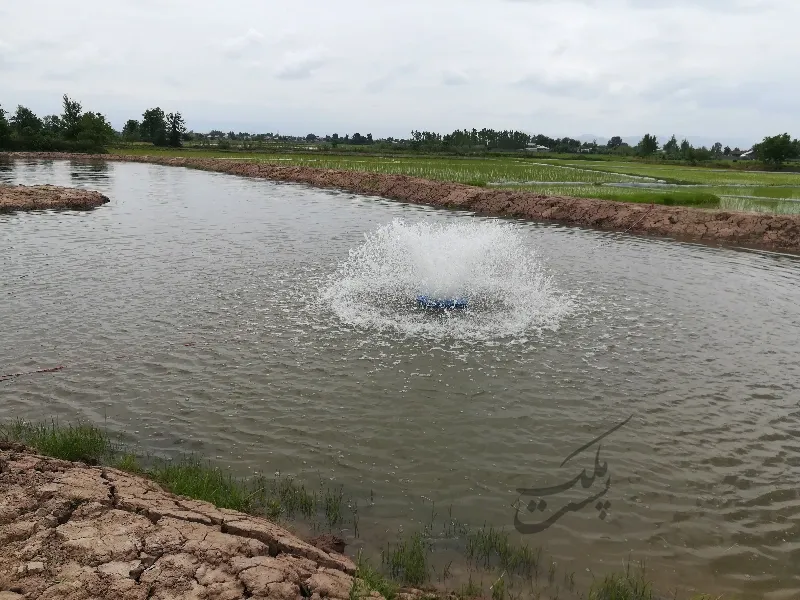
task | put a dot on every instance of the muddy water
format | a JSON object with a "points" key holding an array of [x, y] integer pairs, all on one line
{"points": [[186, 313]]}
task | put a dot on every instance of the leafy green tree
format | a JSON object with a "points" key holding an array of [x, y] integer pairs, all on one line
{"points": [[5, 128], [648, 145], [176, 129], [727, 151], [777, 149], [716, 150], [671, 147], [686, 149], [153, 127], [25, 123], [71, 118], [613, 143], [130, 131], [53, 126], [94, 128]]}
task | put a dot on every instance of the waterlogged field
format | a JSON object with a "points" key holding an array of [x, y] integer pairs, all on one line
{"points": [[749, 191]]}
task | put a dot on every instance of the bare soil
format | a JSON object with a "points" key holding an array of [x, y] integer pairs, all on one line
{"points": [[72, 531], [44, 197], [774, 232]]}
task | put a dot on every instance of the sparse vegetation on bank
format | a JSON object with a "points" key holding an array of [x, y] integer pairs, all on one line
{"points": [[498, 568]]}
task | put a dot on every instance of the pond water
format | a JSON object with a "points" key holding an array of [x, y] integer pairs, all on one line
{"points": [[201, 312]]}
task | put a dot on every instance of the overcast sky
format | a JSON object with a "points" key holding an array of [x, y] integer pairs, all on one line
{"points": [[723, 69]]}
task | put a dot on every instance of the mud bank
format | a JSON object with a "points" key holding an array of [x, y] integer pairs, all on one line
{"points": [[43, 197], [774, 232], [68, 530]]}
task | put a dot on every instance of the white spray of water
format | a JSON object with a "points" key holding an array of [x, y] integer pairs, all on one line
{"points": [[488, 262]]}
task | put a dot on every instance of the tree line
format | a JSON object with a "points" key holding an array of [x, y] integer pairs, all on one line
{"points": [[77, 131], [773, 150], [72, 131]]}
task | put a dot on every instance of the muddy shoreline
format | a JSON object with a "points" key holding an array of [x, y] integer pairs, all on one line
{"points": [[69, 530], [770, 232], [47, 197]]}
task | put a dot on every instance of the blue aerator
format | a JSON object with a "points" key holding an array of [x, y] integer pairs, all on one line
{"points": [[440, 303]]}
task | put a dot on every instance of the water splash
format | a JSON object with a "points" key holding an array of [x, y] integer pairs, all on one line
{"points": [[491, 263]]}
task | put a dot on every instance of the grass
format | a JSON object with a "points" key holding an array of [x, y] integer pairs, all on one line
{"points": [[80, 443], [699, 199], [629, 585], [407, 561], [190, 476], [672, 173], [545, 176]]}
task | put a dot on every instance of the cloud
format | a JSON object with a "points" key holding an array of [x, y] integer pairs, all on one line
{"points": [[390, 77], [301, 65], [714, 68], [239, 46], [454, 78]]}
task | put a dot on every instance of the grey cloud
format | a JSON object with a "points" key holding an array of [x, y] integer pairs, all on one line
{"points": [[301, 65], [454, 78], [705, 67], [385, 81], [572, 88], [240, 46]]}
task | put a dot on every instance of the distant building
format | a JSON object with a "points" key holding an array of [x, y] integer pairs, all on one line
{"points": [[536, 148], [748, 154]]}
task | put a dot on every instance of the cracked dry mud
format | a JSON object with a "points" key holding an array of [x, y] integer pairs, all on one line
{"points": [[71, 531], [769, 231], [44, 197]]}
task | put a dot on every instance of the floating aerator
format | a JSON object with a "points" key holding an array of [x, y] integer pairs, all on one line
{"points": [[427, 302]]}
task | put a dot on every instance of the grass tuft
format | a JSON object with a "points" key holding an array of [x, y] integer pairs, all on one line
{"points": [[408, 560], [373, 581], [80, 443], [196, 479], [623, 586]]}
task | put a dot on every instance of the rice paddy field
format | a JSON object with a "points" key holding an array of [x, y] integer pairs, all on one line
{"points": [[624, 181]]}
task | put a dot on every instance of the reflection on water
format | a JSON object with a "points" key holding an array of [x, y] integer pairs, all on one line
{"points": [[189, 314], [92, 172]]}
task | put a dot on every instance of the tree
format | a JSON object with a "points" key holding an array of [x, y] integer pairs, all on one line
{"points": [[25, 123], [5, 128], [776, 149], [671, 148], [176, 128], [311, 137], [130, 131], [53, 125], [648, 145], [70, 118], [94, 128], [727, 151], [153, 127], [613, 143]]}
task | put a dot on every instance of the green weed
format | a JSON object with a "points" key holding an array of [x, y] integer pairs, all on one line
{"points": [[83, 442]]}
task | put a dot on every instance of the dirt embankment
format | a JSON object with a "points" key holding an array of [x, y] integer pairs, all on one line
{"points": [[776, 232], [71, 531], [42, 197]]}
